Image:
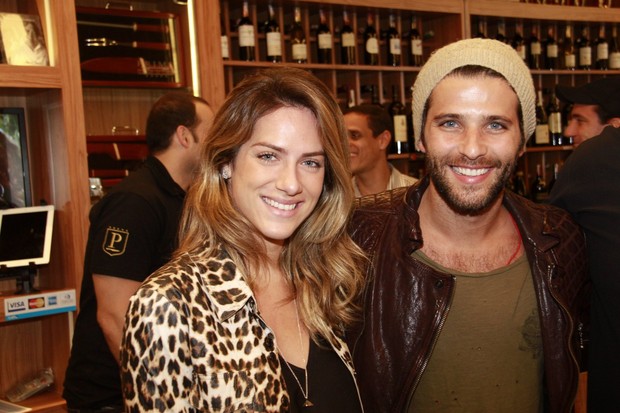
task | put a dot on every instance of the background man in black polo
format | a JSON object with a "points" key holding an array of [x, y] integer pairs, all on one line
{"points": [[132, 233]]}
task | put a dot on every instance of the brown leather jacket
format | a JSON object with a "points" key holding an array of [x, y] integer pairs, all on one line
{"points": [[407, 302]]}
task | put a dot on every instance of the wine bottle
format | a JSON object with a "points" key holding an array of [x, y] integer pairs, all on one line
{"points": [[602, 49], [551, 49], [585, 50], [570, 58], [539, 188], [535, 49], [519, 184], [371, 41], [500, 35], [324, 39], [518, 43], [415, 42], [482, 28], [347, 40], [246, 35], [541, 136], [400, 141], [614, 50], [393, 36], [565, 114], [374, 96], [273, 37], [298, 39], [555, 120], [224, 44], [352, 101], [556, 173]]}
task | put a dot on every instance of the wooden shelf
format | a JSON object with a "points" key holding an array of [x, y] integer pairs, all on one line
{"points": [[323, 66], [578, 72], [443, 6], [43, 77], [534, 149], [534, 11], [46, 402], [52, 100], [409, 156]]}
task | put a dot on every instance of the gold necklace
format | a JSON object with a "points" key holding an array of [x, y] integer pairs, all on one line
{"points": [[305, 393]]}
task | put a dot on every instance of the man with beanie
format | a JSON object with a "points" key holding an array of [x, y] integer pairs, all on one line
{"points": [[588, 187], [476, 296], [594, 106]]}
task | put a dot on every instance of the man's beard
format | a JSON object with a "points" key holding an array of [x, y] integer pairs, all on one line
{"points": [[469, 201]]}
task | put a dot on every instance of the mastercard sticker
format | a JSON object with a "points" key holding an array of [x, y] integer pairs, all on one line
{"points": [[38, 302]]}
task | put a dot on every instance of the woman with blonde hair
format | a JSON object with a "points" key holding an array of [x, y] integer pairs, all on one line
{"points": [[250, 313]]}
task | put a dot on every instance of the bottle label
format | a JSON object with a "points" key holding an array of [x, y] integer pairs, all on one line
{"points": [[542, 135], [552, 50], [325, 41], [372, 45], [522, 51], [585, 56], [614, 60], [299, 51], [416, 47], [555, 123], [570, 61], [602, 51], [274, 44], [536, 49], [400, 128], [224, 44], [348, 40], [351, 102], [246, 35], [395, 46], [541, 196]]}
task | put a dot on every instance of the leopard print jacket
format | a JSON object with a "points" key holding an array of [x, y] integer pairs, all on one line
{"points": [[194, 341]]}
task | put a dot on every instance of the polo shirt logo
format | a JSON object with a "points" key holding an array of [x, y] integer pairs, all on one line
{"points": [[115, 241]]}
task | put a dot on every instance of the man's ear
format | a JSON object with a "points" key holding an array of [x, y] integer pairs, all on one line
{"points": [[384, 139], [183, 136], [615, 122], [420, 145]]}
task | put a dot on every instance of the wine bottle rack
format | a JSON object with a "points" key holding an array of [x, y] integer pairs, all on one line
{"points": [[439, 23], [338, 75], [542, 16]]}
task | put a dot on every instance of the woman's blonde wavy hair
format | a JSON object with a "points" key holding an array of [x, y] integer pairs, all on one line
{"points": [[322, 262]]}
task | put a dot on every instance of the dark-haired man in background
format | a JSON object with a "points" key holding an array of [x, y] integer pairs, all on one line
{"points": [[593, 106], [589, 188], [370, 131], [132, 233]]}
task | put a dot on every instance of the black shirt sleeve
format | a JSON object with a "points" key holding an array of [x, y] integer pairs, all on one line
{"points": [[125, 233]]}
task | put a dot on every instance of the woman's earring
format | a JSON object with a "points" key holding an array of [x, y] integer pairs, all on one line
{"points": [[226, 172]]}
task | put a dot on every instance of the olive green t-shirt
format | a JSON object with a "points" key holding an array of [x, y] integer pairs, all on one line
{"points": [[488, 357]]}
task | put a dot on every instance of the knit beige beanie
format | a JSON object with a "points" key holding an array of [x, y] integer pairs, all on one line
{"points": [[488, 53]]}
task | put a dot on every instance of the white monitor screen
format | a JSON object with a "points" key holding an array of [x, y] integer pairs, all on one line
{"points": [[26, 236]]}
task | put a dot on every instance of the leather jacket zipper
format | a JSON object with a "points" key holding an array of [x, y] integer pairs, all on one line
{"points": [[550, 270], [442, 321]]}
